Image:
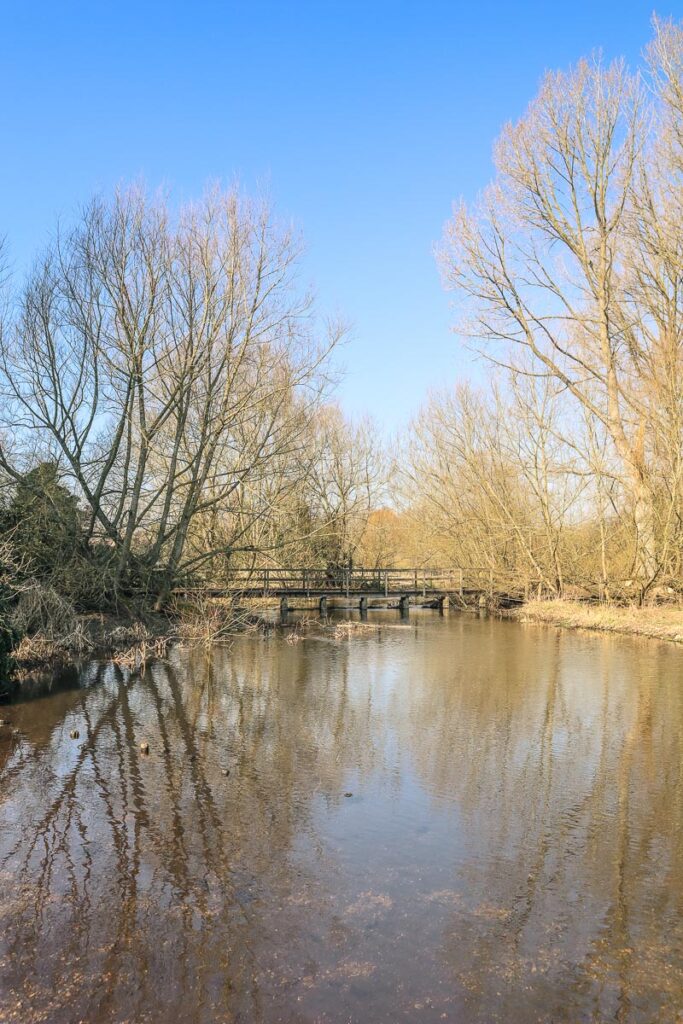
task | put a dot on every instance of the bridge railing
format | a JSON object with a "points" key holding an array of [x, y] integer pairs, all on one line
{"points": [[269, 579], [463, 580]]}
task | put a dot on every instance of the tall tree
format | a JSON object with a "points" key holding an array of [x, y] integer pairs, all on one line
{"points": [[168, 362], [547, 257]]}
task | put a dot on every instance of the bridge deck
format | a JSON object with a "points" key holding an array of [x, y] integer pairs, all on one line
{"points": [[327, 591]]}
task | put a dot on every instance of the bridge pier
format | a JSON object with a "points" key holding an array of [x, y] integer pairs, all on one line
{"points": [[322, 606], [363, 607], [404, 605], [284, 606]]}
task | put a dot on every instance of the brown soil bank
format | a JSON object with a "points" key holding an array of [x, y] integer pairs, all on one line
{"points": [[659, 622]]}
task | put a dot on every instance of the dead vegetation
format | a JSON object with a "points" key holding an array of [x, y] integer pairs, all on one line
{"points": [[662, 622], [346, 630], [209, 621], [53, 632], [49, 628], [41, 610]]}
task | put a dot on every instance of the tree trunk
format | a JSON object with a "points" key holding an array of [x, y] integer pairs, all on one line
{"points": [[644, 519]]}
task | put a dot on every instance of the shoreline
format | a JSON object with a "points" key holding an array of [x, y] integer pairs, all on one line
{"points": [[125, 640], [130, 641], [658, 622]]}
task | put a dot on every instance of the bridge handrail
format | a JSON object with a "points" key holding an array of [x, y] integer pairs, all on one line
{"points": [[425, 579]]}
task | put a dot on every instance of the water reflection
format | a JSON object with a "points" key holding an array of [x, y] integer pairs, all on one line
{"points": [[511, 848]]}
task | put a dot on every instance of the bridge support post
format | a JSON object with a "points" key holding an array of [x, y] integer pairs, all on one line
{"points": [[284, 606], [363, 607], [322, 605], [404, 605], [440, 603]]}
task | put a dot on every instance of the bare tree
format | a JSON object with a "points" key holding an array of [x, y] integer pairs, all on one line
{"points": [[343, 485], [492, 474], [545, 260], [168, 362]]}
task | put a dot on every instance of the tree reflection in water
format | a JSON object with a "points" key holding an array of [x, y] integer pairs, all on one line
{"points": [[512, 849]]}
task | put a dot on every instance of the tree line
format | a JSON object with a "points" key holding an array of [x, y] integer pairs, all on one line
{"points": [[167, 387], [568, 277]]}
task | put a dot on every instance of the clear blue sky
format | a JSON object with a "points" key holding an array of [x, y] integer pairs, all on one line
{"points": [[364, 119]]}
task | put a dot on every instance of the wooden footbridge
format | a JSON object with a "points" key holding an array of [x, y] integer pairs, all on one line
{"points": [[358, 586]]}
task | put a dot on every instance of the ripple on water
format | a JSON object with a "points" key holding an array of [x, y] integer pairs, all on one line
{"points": [[509, 852]]}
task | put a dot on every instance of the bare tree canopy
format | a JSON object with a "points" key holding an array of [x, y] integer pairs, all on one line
{"points": [[568, 269], [170, 365]]}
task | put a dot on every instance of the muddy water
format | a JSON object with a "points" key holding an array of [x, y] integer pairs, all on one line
{"points": [[450, 819]]}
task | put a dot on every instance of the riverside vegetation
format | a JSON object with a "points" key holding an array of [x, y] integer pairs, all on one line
{"points": [[167, 388]]}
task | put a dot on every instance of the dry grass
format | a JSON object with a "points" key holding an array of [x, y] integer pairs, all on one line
{"points": [[661, 622], [345, 630], [54, 633], [41, 610], [136, 657], [43, 650], [209, 621], [51, 629]]}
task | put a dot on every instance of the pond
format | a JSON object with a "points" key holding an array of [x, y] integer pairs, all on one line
{"points": [[441, 819]]}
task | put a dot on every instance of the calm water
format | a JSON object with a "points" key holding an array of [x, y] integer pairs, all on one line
{"points": [[511, 849]]}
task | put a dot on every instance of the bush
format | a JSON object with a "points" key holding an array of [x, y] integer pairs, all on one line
{"points": [[9, 633], [43, 527], [9, 638], [43, 522]]}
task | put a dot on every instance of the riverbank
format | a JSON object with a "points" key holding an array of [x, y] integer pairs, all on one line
{"points": [[128, 640], [660, 622]]}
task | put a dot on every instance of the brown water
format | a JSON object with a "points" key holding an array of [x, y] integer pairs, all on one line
{"points": [[512, 849]]}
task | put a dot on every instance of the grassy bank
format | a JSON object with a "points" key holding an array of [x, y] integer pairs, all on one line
{"points": [[663, 622]]}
